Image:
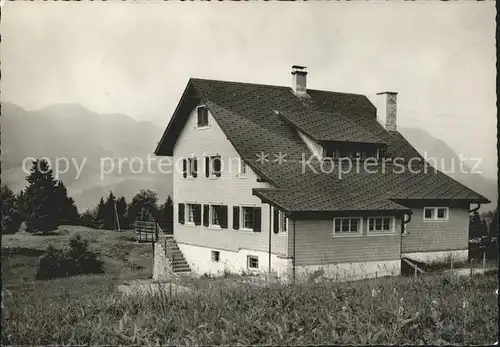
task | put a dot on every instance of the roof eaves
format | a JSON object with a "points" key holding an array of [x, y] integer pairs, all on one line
{"points": [[172, 120]]}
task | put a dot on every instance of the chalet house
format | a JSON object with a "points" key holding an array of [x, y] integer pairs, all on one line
{"points": [[292, 180]]}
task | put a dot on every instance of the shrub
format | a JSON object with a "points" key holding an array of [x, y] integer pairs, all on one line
{"points": [[51, 264], [74, 261]]}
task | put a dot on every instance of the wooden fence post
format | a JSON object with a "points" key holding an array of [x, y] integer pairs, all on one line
{"points": [[451, 263], [471, 259], [484, 260]]}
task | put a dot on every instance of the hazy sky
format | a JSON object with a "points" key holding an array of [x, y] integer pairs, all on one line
{"points": [[135, 58]]}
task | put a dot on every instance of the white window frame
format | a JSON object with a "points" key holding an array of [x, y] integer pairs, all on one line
{"points": [[283, 223], [208, 118], [211, 166], [243, 173], [190, 166], [348, 234], [242, 218], [392, 226], [248, 262], [213, 256], [186, 213], [211, 210], [435, 218]]}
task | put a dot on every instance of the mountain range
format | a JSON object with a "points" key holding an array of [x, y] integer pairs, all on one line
{"points": [[85, 137]]}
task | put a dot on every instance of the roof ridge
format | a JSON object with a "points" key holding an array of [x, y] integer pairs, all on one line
{"points": [[273, 85], [194, 79]]}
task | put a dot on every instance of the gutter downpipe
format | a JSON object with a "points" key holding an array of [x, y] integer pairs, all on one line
{"points": [[403, 223], [475, 209], [270, 230], [293, 259]]}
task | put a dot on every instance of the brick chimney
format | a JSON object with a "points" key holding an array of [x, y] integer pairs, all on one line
{"points": [[299, 80], [391, 109]]}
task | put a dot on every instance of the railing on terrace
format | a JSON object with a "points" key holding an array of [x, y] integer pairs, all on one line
{"points": [[151, 231], [145, 231]]}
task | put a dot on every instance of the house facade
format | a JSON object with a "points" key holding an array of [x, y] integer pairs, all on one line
{"points": [[292, 181]]}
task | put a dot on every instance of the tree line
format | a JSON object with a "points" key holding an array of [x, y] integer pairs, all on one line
{"points": [[44, 205], [483, 225]]}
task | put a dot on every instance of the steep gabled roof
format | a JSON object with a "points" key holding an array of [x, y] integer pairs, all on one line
{"points": [[266, 119]]}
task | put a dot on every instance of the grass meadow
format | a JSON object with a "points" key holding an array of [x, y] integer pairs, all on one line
{"points": [[436, 309]]}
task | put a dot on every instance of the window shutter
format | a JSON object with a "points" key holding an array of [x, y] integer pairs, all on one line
{"points": [[184, 168], [223, 222], [205, 215], [236, 217], [195, 167], [197, 214], [207, 166], [276, 220], [181, 213], [256, 219], [217, 168]]}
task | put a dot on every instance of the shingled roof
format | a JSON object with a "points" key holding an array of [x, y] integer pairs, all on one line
{"points": [[266, 119]]}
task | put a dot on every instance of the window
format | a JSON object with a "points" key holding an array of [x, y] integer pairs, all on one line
{"points": [[283, 222], [344, 154], [190, 211], [247, 218], [371, 154], [192, 167], [347, 226], [442, 213], [330, 153], [381, 224], [202, 119], [252, 262], [436, 213], [215, 215], [215, 256], [243, 169], [213, 166]]}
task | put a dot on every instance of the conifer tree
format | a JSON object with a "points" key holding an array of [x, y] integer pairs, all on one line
{"points": [[11, 217], [40, 199], [99, 214], [109, 220]]}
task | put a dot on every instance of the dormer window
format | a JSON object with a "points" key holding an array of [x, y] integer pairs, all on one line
{"points": [[330, 153], [202, 116], [344, 154]]}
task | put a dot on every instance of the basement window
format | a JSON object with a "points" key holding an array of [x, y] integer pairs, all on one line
{"points": [[253, 262], [215, 256]]}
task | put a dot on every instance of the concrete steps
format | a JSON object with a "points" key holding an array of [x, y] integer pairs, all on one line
{"points": [[179, 263]]}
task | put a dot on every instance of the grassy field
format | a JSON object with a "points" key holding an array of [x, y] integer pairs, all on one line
{"points": [[435, 309], [123, 257]]}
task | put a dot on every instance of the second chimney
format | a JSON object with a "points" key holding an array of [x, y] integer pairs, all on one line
{"points": [[299, 80], [391, 109]]}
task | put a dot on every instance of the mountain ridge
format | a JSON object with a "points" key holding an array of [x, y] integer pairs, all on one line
{"points": [[75, 132]]}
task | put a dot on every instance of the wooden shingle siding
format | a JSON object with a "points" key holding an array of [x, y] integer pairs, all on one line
{"points": [[427, 236], [229, 190], [316, 245]]}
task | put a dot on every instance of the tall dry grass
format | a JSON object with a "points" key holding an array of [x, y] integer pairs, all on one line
{"points": [[429, 310]]}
